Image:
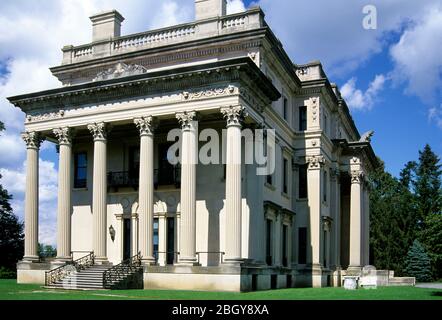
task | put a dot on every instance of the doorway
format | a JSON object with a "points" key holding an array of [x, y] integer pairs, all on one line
{"points": [[126, 239], [170, 247]]}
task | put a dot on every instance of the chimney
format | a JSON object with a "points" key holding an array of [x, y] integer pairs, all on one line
{"points": [[106, 25], [205, 9]]}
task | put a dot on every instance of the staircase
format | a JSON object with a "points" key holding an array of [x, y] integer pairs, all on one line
{"points": [[84, 274], [90, 278]]}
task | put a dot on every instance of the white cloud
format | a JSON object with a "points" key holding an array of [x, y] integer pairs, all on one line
{"points": [[235, 6], [359, 100], [417, 56], [435, 115]]}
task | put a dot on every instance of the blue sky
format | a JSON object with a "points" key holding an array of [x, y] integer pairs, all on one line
{"points": [[391, 76]]}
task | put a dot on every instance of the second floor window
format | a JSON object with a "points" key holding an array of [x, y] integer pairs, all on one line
{"points": [[80, 174], [302, 181], [285, 165], [302, 118], [325, 185], [285, 108]]}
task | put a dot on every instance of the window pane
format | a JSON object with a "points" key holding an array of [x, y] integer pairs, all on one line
{"points": [[303, 181], [302, 245], [302, 118]]}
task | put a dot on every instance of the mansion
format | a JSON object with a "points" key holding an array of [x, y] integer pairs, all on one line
{"points": [[127, 216]]}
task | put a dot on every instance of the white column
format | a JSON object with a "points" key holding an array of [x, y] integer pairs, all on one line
{"points": [[336, 214], [33, 141], [235, 117], [314, 176], [134, 239], [366, 226], [162, 240], [189, 153], [99, 192], [356, 219], [146, 187], [64, 208]]}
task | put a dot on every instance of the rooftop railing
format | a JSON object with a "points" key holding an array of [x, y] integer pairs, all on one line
{"points": [[251, 19]]}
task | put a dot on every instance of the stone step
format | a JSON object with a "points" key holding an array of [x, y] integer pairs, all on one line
{"points": [[401, 281]]}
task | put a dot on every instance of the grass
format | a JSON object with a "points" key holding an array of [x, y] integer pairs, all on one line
{"points": [[10, 290]]}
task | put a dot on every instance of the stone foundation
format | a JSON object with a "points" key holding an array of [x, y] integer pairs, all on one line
{"points": [[32, 273]]}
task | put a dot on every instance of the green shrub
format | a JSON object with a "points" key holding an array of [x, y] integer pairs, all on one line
{"points": [[418, 263]]}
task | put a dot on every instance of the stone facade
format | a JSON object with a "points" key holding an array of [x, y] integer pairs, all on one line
{"points": [[199, 226]]}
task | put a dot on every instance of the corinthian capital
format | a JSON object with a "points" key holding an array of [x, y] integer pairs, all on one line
{"points": [[64, 135], [98, 130], [234, 115], [32, 139], [315, 162], [186, 119], [146, 125], [357, 176]]}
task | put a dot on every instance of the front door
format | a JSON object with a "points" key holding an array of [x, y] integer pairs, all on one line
{"points": [[126, 239], [170, 240]]}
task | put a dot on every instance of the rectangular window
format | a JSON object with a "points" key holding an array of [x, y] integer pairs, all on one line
{"points": [[269, 259], [302, 118], [302, 180], [284, 245], [302, 245], [285, 176], [325, 185], [325, 124], [80, 174], [285, 108]]}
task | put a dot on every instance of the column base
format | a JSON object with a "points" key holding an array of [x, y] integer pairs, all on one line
{"points": [[101, 260], [148, 261], [62, 260], [31, 259], [190, 261]]}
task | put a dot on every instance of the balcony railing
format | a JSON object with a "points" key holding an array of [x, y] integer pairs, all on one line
{"points": [[127, 179]]}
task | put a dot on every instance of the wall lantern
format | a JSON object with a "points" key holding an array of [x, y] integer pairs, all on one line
{"points": [[112, 232]]}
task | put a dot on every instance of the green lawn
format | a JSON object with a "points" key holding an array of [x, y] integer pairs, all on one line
{"points": [[10, 290]]}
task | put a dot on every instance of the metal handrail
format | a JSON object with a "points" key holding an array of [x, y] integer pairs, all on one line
{"points": [[121, 271], [221, 253], [59, 273]]}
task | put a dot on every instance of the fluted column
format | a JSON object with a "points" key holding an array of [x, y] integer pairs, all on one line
{"points": [[33, 141], [134, 239], [356, 219], [189, 151], [235, 117], [99, 192], [64, 136], [146, 188]]}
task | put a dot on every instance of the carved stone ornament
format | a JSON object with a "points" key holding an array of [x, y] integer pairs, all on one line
{"points": [[366, 137], [211, 92], [315, 162], [357, 176], [234, 115], [64, 135], [120, 70], [32, 139], [98, 130], [45, 116], [146, 125], [186, 119]]}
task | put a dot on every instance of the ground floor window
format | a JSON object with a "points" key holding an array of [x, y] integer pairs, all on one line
{"points": [[155, 235], [302, 245], [269, 259]]}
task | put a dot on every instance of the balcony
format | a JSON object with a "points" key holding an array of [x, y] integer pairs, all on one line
{"points": [[127, 179]]}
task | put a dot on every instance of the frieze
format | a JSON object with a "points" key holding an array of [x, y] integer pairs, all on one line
{"points": [[45, 116], [210, 93]]}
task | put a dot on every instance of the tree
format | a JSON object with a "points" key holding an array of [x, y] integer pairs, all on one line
{"points": [[418, 264], [46, 251], [432, 238], [428, 184], [392, 220], [11, 235]]}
